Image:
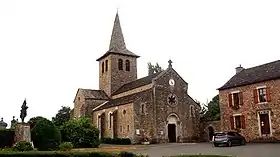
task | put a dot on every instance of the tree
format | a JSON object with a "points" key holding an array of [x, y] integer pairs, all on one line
{"points": [[81, 133], [213, 110], [32, 121], [45, 135], [154, 68], [62, 116]]}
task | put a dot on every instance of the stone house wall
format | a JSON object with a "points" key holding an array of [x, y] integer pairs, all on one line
{"points": [[249, 109], [206, 129]]}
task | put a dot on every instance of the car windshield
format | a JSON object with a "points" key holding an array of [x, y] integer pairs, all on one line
{"points": [[220, 134]]}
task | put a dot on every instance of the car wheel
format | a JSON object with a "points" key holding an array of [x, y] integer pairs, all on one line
{"points": [[216, 145], [229, 144], [242, 142]]}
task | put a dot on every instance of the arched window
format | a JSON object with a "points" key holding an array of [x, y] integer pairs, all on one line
{"points": [[127, 65], [102, 67], [192, 114], [142, 109], [106, 66], [120, 64], [110, 119]]}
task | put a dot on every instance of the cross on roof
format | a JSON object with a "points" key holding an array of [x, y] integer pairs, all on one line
{"points": [[170, 63]]}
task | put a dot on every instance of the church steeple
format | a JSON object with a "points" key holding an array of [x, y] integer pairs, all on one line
{"points": [[117, 43]]}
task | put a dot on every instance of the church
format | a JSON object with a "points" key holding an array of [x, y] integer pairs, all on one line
{"points": [[156, 108]]}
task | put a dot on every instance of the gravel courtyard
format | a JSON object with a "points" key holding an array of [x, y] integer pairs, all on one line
{"points": [[249, 150]]}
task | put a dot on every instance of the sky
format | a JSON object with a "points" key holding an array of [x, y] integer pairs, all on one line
{"points": [[48, 49]]}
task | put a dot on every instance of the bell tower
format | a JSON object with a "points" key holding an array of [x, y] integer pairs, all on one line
{"points": [[118, 65]]}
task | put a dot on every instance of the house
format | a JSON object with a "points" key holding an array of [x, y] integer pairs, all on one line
{"points": [[157, 106], [250, 102]]}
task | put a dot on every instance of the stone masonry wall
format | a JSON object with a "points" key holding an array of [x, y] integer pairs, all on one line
{"points": [[79, 101], [113, 79], [188, 125], [249, 109], [125, 121]]}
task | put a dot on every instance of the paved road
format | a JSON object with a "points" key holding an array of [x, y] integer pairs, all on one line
{"points": [[249, 150]]}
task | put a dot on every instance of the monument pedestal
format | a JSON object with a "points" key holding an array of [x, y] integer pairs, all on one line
{"points": [[22, 133]]}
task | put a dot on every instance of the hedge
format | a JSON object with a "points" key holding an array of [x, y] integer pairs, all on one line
{"points": [[67, 154], [7, 138], [121, 141]]}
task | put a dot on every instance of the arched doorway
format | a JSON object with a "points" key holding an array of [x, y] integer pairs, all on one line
{"points": [[211, 132], [172, 128]]}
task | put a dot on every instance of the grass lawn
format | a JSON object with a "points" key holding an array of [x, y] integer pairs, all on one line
{"points": [[108, 149]]}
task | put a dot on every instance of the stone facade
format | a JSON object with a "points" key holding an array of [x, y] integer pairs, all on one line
{"points": [[156, 106], [208, 129], [250, 102], [251, 110]]}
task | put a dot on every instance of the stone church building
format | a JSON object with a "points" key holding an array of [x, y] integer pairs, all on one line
{"points": [[156, 107]]}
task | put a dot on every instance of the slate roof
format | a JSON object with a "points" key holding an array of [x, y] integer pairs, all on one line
{"points": [[94, 94], [122, 100], [265, 72], [137, 83]]}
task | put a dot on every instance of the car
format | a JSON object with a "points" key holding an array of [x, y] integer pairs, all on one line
{"points": [[228, 138]]}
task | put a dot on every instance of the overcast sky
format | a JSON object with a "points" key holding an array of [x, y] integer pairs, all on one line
{"points": [[48, 49]]}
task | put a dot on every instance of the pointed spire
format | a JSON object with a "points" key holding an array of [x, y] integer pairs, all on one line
{"points": [[117, 40]]}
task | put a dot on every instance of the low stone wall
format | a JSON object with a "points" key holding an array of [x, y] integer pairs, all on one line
{"points": [[207, 128]]}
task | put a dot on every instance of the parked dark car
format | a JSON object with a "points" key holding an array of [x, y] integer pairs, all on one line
{"points": [[228, 138]]}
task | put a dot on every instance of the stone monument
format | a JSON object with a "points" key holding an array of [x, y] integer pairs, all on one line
{"points": [[22, 130], [3, 125]]}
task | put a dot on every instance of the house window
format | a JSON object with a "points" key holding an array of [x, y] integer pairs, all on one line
{"points": [[120, 64], [235, 99], [262, 95], [106, 65], [237, 122], [127, 65], [102, 67]]}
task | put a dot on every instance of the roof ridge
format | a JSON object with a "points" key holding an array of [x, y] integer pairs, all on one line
{"points": [[262, 65]]}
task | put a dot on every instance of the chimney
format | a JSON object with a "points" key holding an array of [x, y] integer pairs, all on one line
{"points": [[239, 69]]}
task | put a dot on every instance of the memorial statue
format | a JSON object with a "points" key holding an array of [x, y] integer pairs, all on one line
{"points": [[23, 111]]}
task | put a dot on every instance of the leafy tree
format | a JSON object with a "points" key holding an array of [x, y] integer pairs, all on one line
{"points": [[45, 135], [62, 116], [81, 133], [32, 121], [154, 68], [213, 110]]}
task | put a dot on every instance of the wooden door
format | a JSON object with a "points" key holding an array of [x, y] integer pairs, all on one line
{"points": [[264, 124]]}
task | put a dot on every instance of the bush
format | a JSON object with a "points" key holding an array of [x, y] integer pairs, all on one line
{"points": [[45, 135], [121, 141], [23, 146], [66, 146], [81, 133], [32, 121], [7, 138], [64, 154]]}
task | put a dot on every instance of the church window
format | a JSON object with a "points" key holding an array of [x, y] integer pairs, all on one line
{"points": [[124, 112], [102, 67], [127, 128], [192, 112], [110, 120], [142, 109], [120, 64], [127, 65], [106, 65], [120, 128]]}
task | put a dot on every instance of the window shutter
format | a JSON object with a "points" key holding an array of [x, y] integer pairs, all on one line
{"points": [[255, 96], [268, 94], [230, 99], [240, 94], [232, 122], [243, 122]]}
